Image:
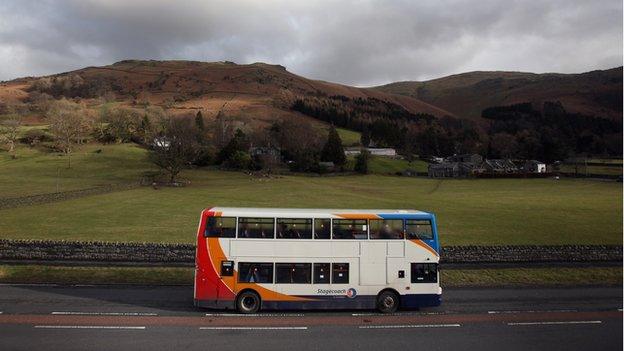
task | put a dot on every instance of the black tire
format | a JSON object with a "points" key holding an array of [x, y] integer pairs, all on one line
{"points": [[248, 302], [387, 302]]}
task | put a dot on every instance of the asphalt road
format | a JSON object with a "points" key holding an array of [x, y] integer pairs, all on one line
{"points": [[163, 318]]}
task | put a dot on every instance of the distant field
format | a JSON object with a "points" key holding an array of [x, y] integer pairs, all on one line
{"points": [[349, 137], [39, 171], [582, 169], [478, 211]]}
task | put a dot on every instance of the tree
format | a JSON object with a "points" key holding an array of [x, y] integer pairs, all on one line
{"points": [[231, 154], [503, 145], [175, 148], [9, 132], [333, 150], [199, 121], [361, 162], [69, 124], [365, 138]]}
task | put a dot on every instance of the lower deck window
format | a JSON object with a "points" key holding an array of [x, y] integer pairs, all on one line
{"points": [[424, 272], [321, 273], [255, 272], [293, 273], [340, 273]]}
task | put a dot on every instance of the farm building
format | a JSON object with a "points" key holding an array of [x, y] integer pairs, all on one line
{"points": [[534, 166], [451, 170], [495, 166], [375, 151], [475, 159]]}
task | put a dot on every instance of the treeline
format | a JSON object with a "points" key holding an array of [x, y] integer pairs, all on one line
{"points": [[517, 131], [386, 124], [549, 134]]}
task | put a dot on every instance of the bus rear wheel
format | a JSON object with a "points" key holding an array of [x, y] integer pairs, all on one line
{"points": [[387, 302], [248, 302]]}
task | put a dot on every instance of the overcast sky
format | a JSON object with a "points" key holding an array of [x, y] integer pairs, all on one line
{"points": [[361, 43]]}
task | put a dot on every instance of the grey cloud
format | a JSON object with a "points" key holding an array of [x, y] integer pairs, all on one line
{"points": [[352, 42]]}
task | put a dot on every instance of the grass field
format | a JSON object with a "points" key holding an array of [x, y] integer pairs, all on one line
{"points": [[582, 169], [349, 137], [38, 171], [477, 211], [184, 276]]}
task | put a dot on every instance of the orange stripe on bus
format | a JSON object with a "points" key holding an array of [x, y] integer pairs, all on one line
{"points": [[425, 246], [357, 216], [216, 254]]}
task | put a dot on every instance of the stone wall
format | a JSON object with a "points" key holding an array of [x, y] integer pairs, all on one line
{"points": [[531, 253], [184, 254]]}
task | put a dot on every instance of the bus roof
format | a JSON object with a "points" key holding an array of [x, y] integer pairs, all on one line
{"points": [[317, 212]]}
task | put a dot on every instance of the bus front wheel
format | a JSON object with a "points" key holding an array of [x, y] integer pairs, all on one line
{"points": [[248, 302], [387, 302]]}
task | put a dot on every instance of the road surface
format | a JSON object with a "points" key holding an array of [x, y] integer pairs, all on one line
{"points": [[163, 318]]}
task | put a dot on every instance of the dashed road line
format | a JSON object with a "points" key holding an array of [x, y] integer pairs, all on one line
{"points": [[113, 327], [409, 326], [529, 311], [73, 313], [255, 315], [554, 323], [396, 314], [253, 328]]}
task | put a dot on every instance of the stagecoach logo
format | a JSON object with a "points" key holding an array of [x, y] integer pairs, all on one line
{"points": [[350, 293]]}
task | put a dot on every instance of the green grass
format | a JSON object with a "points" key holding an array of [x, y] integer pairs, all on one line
{"points": [[581, 169], [36, 171], [349, 137], [476, 211], [95, 275], [480, 211], [183, 275], [532, 277], [386, 165]]}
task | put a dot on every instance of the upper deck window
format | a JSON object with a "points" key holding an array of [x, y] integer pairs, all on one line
{"points": [[262, 228], [322, 228], [220, 227], [386, 228], [350, 229], [294, 228], [419, 229]]}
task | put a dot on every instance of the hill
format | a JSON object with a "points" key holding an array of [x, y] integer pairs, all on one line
{"points": [[255, 92], [595, 93]]}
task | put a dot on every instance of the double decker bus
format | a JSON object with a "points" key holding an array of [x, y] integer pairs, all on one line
{"points": [[273, 258]]}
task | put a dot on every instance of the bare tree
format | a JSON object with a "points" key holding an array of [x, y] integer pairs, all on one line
{"points": [[69, 124], [9, 132], [176, 147]]}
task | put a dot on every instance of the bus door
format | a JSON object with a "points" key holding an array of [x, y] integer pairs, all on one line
{"points": [[228, 279]]}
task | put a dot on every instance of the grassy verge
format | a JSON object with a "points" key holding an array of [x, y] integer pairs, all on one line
{"points": [[95, 275], [520, 277], [532, 277]]}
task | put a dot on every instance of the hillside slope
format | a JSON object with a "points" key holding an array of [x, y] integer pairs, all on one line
{"points": [[249, 92], [597, 93]]}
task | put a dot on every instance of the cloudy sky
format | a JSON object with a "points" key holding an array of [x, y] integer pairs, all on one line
{"points": [[359, 42]]}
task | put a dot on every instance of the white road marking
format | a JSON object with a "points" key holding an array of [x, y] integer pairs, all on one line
{"points": [[104, 313], [395, 314], [255, 315], [529, 311], [555, 323], [408, 326], [253, 328], [89, 327]]}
